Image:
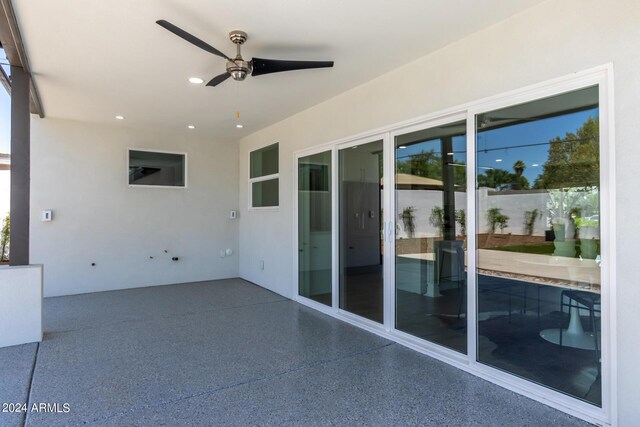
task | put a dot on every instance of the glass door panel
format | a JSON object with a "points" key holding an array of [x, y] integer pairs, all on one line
{"points": [[538, 242], [430, 200], [314, 227], [361, 244]]}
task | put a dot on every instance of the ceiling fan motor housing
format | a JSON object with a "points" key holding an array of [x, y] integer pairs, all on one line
{"points": [[238, 68]]}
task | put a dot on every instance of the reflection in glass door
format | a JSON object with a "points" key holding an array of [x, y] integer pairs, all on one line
{"points": [[314, 227], [538, 242], [361, 245], [430, 195]]}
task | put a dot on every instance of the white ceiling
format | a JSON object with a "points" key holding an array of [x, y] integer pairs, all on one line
{"points": [[94, 59]]}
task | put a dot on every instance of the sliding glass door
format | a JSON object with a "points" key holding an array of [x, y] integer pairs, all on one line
{"points": [[538, 242], [382, 234], [314, 228], [361, 245], [430, 238]]}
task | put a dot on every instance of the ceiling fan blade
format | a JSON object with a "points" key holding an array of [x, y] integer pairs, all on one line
{"points": [[218, 79], [267, 66], [191, 39]]}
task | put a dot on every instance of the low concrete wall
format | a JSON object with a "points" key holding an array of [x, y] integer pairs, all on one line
{"points": [[20, 305]]}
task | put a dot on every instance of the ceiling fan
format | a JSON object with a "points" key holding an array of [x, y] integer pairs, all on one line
{"points": [[237, 67]]}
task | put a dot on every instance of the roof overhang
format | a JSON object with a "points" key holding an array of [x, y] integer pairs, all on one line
{"points": [[11, 41]]}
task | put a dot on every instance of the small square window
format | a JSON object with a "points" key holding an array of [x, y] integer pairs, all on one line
{"points": [[264, 161], [265, 193]]}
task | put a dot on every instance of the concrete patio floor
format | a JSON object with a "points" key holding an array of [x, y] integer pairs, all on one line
{"points": [[231, 353]]}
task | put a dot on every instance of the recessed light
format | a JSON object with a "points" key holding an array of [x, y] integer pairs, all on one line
{"points": [[196, 80], [239, 126], [191, 127], [498, 160], [120, 117], [402, 147]]}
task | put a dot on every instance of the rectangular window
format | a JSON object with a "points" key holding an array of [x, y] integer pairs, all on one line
{"points": [[264, 178], [151, 168]]}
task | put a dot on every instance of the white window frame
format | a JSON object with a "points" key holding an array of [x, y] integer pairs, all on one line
{"points": [[602, 76], [186, 164], [262, 178]]}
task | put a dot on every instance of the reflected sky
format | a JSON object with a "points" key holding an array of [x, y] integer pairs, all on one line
{"points": [[502, 143], [504, 146]]}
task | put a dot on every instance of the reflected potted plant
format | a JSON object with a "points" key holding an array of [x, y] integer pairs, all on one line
{"points": [[408, 219], [461, 219], [564, 248], [530, 218], [437, 219], [496, 219], [588, 233], [559, 227]]}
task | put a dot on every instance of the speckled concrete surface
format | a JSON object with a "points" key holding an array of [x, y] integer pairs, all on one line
{"points": [[85, 311], [231, 353], [16, 364], [388, 386]]}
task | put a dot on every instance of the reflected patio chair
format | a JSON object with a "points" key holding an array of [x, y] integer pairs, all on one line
{"points": [[451, 253], [582, 300]]}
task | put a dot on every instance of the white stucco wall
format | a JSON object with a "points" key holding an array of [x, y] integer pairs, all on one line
{"points": [[20, 304], [553, 39], [79, 171]]}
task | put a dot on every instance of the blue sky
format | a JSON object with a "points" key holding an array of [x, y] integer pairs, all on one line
{"points": [[503, 144], [540, 131]]}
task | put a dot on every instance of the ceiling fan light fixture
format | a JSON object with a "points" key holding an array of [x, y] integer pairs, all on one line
{"points": [[196, 80], [238, 75]]}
